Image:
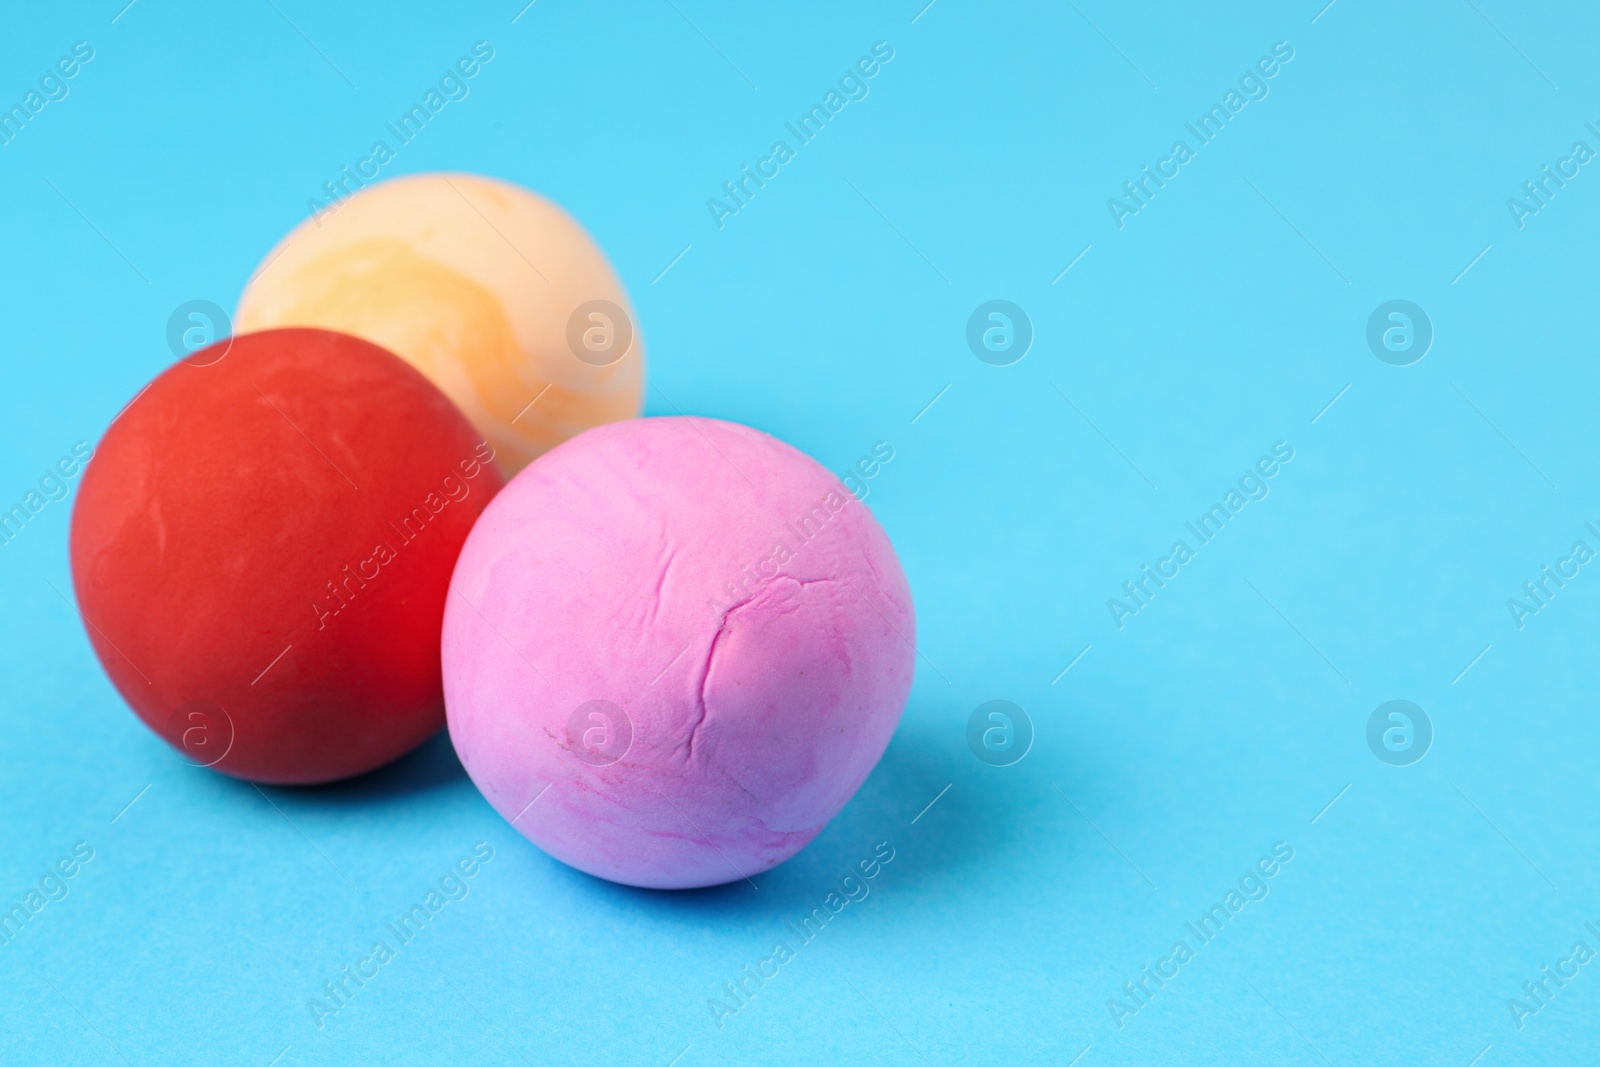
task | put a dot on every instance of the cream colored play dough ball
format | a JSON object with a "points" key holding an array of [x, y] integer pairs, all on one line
{"points": [[493, 292]]}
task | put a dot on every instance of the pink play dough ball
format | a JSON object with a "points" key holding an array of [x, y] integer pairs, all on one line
{"points": [[688, 631]]}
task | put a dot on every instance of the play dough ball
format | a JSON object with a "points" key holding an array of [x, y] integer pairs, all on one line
{"points": [[261, 548], [494, 293], [691, 634]]}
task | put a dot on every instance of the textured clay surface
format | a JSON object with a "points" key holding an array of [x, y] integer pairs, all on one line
{"points": [[261, 548], [474, 282], [673, 649]]}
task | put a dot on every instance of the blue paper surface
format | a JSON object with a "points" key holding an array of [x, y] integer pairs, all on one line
{"points": [[1184, 325]]}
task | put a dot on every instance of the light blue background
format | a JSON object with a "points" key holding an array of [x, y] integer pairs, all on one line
{"points": [[1222, 318]]}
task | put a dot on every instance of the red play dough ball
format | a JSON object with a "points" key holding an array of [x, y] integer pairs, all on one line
{"points": [[262, 546]]}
